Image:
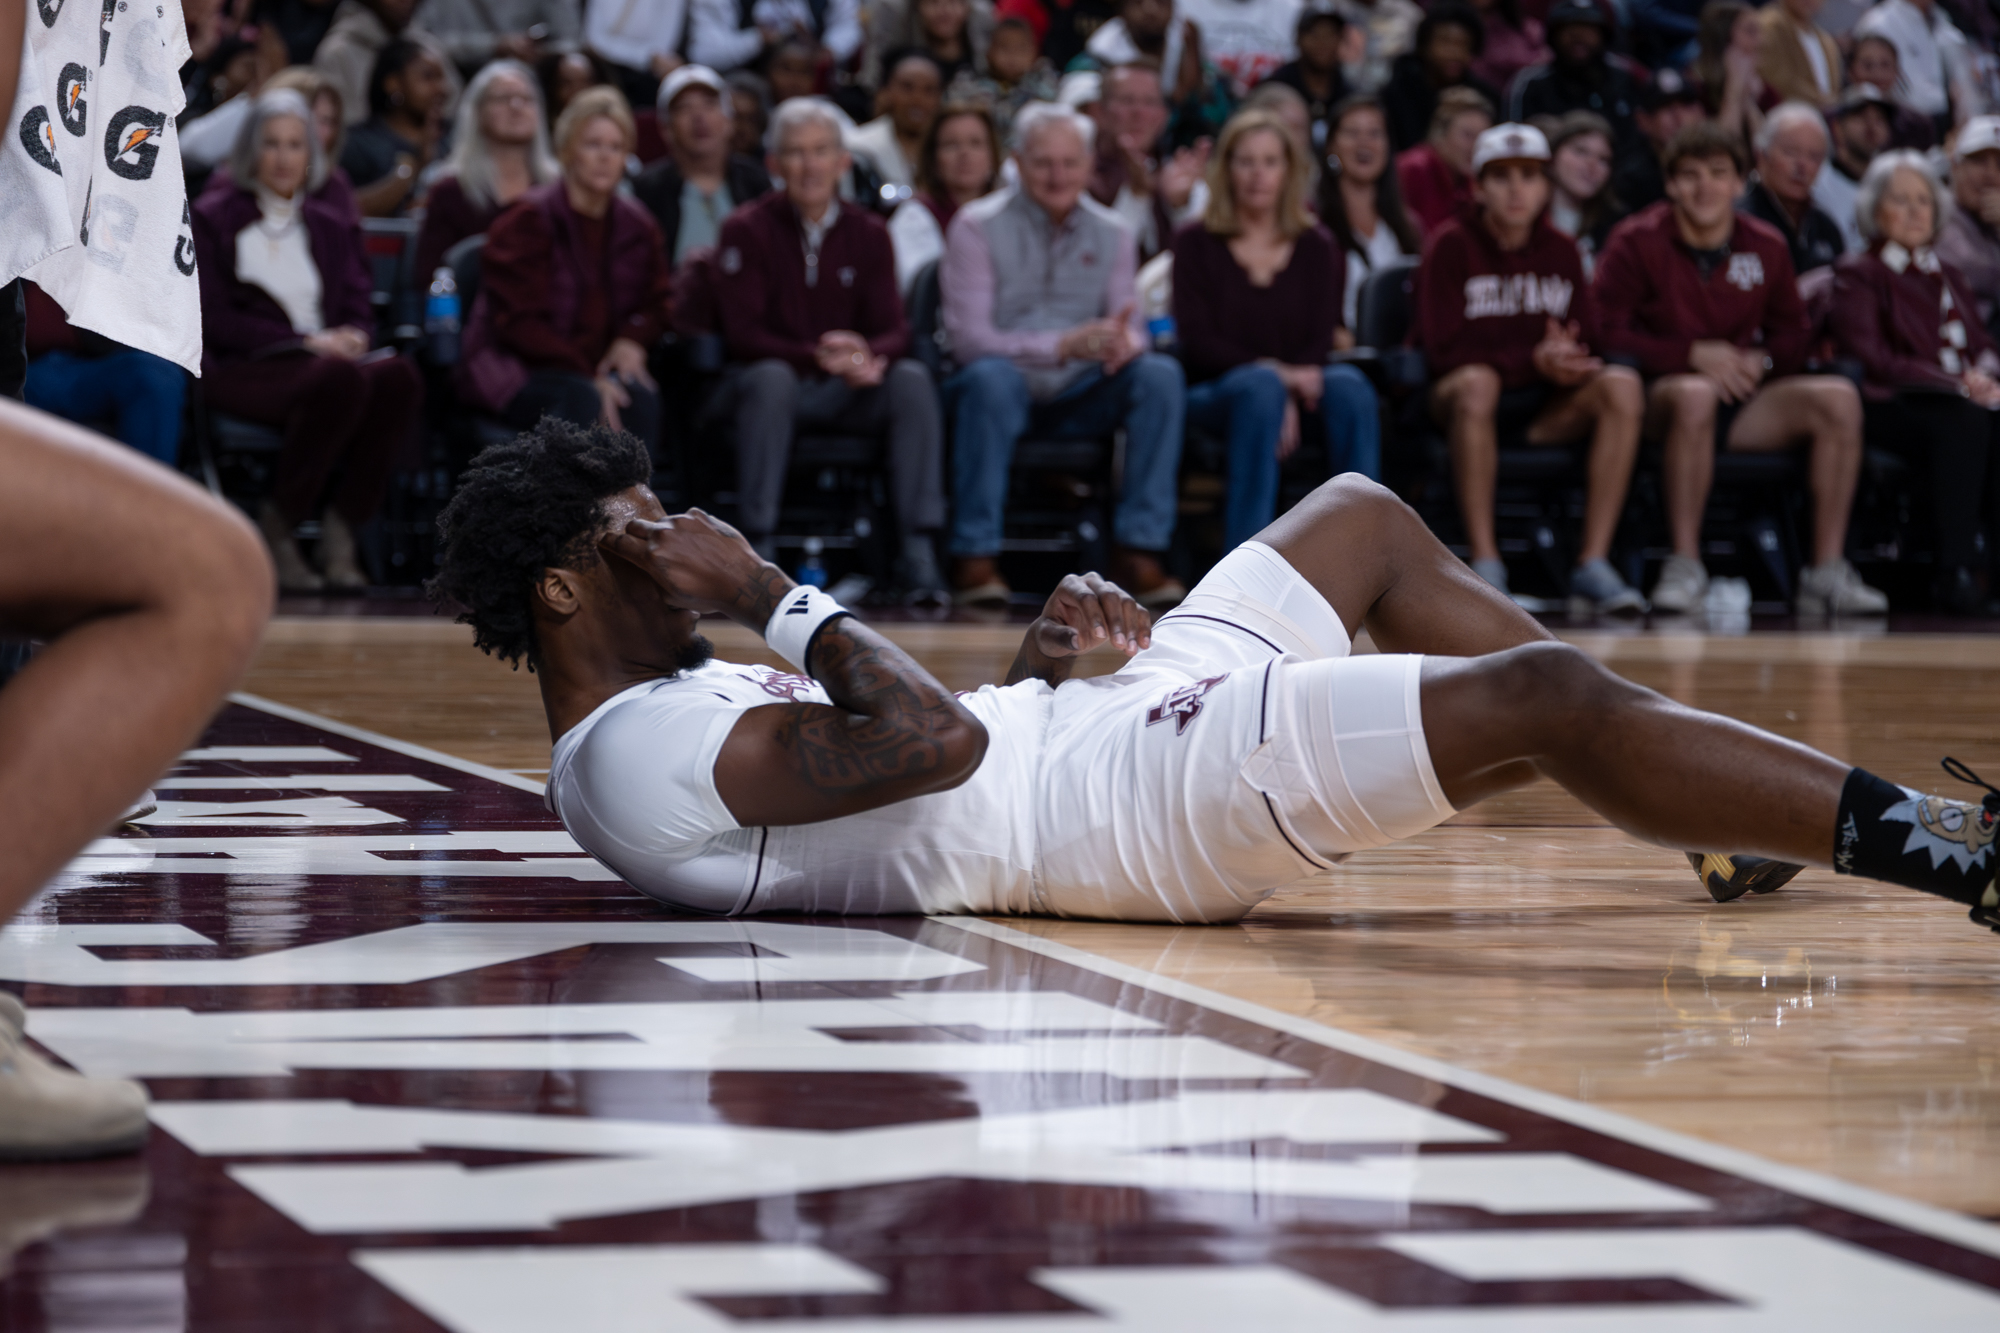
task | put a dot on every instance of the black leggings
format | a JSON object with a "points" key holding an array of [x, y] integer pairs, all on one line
{"points": [[1952, 441], [573, 397]]}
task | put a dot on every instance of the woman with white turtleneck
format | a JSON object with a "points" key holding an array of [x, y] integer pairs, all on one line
{"points": [[285, 320]]}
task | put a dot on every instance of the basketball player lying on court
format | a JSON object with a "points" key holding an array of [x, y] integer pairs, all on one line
{"points": [[1239, 751]]}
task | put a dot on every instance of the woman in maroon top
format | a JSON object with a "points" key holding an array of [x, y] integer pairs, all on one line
{"points": [[1257, 288], [574, 290], [286, 326], [1927, 362], [499, 152]]}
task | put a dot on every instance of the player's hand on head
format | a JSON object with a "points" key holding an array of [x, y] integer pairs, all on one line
{"points": [[701, 562], [1087, 611]]}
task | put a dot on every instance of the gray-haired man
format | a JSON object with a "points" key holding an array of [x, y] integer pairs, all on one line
{"points": [[1039, 298]]}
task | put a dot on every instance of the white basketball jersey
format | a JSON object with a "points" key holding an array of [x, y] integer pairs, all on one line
{"points": [[634, 783]]}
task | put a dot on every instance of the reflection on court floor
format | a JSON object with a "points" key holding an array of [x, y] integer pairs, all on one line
{"points": [[419, 1063]]}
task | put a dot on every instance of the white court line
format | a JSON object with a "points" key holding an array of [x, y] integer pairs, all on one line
{"points": [[1923, 1218], [499, 775]]}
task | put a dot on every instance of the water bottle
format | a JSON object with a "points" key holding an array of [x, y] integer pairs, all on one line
{"points": [[1155, 304], [812, 572], [441, 318]]}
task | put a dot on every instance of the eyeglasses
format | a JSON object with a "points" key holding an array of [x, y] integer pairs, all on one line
{"points": [[511, 101]]}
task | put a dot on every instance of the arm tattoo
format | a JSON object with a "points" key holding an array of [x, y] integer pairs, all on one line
{"points": [[757, 596], [899, 722]]}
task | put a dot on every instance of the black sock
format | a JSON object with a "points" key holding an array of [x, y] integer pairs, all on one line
{"points": [[1905, 837]]}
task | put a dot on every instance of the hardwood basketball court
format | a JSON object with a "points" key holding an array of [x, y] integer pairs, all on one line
{"points": [[1586, 1085]]}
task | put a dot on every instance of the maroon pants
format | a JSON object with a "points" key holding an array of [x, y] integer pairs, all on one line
{"points": [[337, 416]]}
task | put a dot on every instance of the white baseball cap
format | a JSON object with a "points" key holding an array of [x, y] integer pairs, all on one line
{"points": [[1505, 142], [1079, 88], [1981, 134], [689, 76]]}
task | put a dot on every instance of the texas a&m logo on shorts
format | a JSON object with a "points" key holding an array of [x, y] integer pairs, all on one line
{"points": [[1183, 704]]}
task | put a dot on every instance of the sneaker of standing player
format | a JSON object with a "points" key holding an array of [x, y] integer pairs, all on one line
{"points": [[146, 804], [48, 1113], [1728, 878], [1835, 589], [1682, 586], [1596, 589]]}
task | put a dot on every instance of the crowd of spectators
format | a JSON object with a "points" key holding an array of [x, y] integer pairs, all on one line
{"points": [[1639, 228]]}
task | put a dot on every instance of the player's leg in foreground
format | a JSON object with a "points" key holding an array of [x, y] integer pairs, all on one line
{"points": [[151, 596], [1503, 702]]}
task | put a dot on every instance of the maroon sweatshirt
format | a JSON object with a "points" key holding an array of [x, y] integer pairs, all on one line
{"points": [[1655, 302], [1480, 305], [1893, 324], [760, 284]]}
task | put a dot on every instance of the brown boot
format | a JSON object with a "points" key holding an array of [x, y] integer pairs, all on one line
{"points": [[294, 574], [339, 560], [1139, 573], [976, 581]]}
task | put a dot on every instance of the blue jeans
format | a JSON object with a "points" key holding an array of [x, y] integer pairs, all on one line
{"points": [[990, 409], [139, 391], [1246, 407]]}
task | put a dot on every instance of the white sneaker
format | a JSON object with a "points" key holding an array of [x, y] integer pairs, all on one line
{"points": [[48, 1113], [1682, 586], [1835, 589]]}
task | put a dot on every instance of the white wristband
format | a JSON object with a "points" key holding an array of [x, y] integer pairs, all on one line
{"points": [[799, 615]]}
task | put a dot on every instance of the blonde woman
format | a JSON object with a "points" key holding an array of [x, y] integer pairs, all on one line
{"points": [[1257, 299], [574, 291]]}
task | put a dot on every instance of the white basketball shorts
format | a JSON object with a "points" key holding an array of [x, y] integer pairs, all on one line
{"points": [[1243, 752]]}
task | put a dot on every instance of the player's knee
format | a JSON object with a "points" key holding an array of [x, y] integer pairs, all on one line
{"points": [[1547, 676], [1359, 506], [217, 572]]}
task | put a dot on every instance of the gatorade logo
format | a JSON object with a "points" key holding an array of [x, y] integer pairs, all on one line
{"points": [[131, 142], [38, 136], [184, 245], [71, 104]]}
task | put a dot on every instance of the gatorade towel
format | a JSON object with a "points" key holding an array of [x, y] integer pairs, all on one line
{"points": [[96, 208]]}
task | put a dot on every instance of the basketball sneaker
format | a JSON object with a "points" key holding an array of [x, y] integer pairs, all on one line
{"points": [[139, 809], [47, 1113], [1728, 878]]}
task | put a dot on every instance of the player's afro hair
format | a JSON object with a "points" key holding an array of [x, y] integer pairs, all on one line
{"points": [[522, 507]]}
